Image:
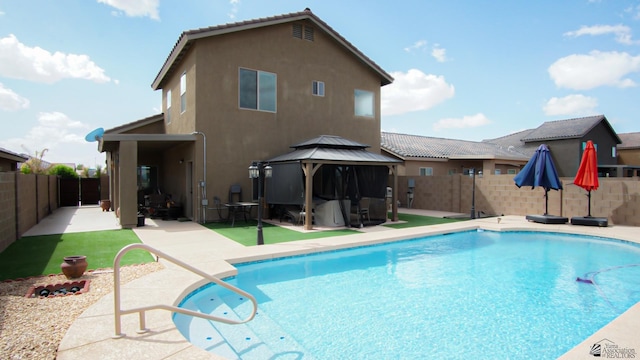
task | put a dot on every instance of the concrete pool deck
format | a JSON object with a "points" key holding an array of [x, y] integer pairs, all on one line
{"points": [[92, 334]]}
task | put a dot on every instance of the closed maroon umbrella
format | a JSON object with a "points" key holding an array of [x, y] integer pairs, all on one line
{"points": [[587, 176]]}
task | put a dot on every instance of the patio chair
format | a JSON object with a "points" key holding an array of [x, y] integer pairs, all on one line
{"points": [[364, 209], [218, 206], [303, 215]]}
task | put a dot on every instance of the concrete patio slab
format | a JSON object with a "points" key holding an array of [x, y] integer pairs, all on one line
{"points": [[92, 333]]}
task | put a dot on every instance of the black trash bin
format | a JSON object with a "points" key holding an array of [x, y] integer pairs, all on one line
{"points": [[140, 220]]}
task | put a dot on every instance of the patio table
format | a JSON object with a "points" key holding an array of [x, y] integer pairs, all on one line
{"points": [[241, 207]]}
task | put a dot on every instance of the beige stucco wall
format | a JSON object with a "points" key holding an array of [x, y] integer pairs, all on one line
{"points": [[236, 137]]}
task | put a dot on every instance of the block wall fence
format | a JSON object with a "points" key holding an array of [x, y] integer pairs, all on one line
{"points": [[25, 199], [617, 199]]}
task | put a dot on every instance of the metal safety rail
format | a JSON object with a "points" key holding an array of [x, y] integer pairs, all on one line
{"points": [[141, 310]]}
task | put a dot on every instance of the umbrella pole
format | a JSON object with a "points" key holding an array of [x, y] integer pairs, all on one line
{"points": [[546, 202], [589, 206]]}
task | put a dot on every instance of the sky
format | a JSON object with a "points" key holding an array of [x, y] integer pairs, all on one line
{"points": [[463, 69]]}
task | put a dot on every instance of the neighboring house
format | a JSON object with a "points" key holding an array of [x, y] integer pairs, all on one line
{"points": [[629, 153], [239, 93], [9, 160], [566, 140], [429, 156]]}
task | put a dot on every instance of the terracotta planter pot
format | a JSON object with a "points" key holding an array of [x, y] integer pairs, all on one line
{"points": [[74, 266]]}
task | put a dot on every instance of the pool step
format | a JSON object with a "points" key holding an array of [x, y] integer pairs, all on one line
{"points": [[261, 338]]}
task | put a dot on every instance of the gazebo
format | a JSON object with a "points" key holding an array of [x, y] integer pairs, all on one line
{"points": [[331, 168]]}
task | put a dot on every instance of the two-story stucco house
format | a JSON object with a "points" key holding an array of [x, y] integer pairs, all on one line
{"points": [[238, 93]]}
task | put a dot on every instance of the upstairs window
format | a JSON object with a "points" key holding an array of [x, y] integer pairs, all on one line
{"points": [[183, 92], [364, 103], [257, 90], [168, 112], [317, 88]]}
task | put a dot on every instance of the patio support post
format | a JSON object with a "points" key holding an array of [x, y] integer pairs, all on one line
{"points": [[204, 201]]}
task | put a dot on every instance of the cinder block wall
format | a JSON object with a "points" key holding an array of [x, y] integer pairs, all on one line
{"points": [[7, 209], [617, 199], [24, 201]]}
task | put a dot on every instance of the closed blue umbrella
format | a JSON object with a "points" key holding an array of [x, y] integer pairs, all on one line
{"points": [[540, 171]]}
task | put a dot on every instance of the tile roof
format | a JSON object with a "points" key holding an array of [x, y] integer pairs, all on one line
{"points": [[629, 140], [527, 141], [405, 146], [187, 38], [10, 155], [564, 129]]}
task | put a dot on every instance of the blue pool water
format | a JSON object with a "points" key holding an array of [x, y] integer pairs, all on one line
{"points": [[464, 295]]}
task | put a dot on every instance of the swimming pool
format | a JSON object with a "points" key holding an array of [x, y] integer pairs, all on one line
{"points": [[471, 294]]}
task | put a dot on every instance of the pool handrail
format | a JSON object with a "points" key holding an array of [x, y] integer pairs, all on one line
{"points": [[118, 311]]}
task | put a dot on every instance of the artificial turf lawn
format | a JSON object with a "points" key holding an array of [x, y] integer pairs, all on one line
{"points": [[42, 255], [418, 220], [245, 232]]}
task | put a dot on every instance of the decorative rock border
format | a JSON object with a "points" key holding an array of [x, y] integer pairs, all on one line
{"points": [[60, 289]]}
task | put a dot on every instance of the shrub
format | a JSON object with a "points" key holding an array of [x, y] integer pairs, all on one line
{"points": [[64, 171]]}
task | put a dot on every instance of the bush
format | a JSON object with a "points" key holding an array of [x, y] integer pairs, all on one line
{"points": [[64, 171]]}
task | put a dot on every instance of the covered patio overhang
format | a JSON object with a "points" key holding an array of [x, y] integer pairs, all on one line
{"points": [[332, 150], [125, 152]]}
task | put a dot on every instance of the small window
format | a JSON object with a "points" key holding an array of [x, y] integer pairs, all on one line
{"points": [[317, 88], [497, 171], [257, 90], [453, 171], [426, 171], [614, 153], [183, 92], [363, 103], [168, 112], [511, 171]]}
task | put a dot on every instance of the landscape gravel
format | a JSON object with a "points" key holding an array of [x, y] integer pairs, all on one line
{"points": [[32, 328]]}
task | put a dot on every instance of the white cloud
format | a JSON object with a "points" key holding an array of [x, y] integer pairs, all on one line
{"points": [[234, 8], [416, 46], [414, 91], [19, 61], [136, 8], [634, 11], [576, 104], [469, 121], [622, 32], [582, 72], [438, 53], [63, 137], [11, 101]]}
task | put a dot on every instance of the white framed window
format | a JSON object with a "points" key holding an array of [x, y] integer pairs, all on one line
{"points": [[426, 171], [317, 88], [511, 171], [167, 115], [364, 101], [497, 171], [258, 90], [614, 153], [183, 92]]}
